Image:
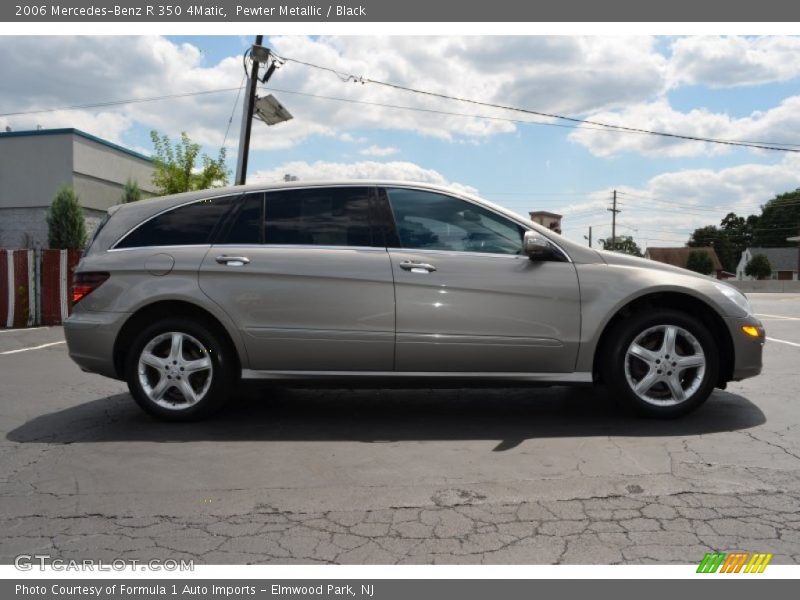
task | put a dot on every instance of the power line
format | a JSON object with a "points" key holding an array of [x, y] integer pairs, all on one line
{"points": [[346, 77], [119, 102]]}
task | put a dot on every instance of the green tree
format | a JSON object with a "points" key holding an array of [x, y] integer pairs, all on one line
{"points": [[66, 228], [700, 262], [758, 267], [729, 240], [131, 191], [780, 218], [176, 170], [624, 244]]}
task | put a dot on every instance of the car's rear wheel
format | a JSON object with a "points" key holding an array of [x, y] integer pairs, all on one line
{"points": [[179, 369], [661, 363]]}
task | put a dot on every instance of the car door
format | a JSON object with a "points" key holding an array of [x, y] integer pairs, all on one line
{"points": [[306, 279], [468, 300]]}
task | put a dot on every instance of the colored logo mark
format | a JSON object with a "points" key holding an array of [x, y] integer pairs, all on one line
{"points": [[734, 562]]}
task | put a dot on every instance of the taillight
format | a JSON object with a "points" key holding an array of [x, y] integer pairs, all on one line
{"points": [[86, 283]]}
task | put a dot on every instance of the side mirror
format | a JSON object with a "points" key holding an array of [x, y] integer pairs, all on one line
{"points": [[535, 246]]}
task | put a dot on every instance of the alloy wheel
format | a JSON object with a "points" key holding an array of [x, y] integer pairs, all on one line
{"points": [[665, 365], [175, 370]]}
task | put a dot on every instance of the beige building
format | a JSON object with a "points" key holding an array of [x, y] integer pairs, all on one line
{"points": [[35, 164], [547, 219]]}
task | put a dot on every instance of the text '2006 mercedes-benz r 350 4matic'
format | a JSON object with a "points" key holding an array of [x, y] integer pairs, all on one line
{"points": [[388, 284]]}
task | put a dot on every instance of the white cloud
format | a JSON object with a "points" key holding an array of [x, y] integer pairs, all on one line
{"points": [[671, 205], [562, 74], [779, 124], [733, 61], [379, 151], [323, 170]]}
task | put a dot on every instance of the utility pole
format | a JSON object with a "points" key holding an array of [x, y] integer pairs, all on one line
{"points": [[614, 210], [247, 121], [590, 236]]}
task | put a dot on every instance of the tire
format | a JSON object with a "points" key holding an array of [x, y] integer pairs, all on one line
{"points": [[156, 372], [656, 377]]}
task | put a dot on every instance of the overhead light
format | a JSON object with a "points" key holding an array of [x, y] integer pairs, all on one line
{"points": [[269, 110], [259, 53]]}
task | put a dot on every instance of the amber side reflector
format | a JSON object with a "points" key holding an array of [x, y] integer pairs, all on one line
{"points": [[85, 284], [752, 330]]}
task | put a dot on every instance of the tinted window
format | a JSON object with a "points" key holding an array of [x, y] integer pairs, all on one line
{"points": [[427, 220], [246, 227], [186, 225], [320, 217]]}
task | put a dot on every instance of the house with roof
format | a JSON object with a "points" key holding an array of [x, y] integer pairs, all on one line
{"points": [[784, 262], [679, 257], [35, 164]]}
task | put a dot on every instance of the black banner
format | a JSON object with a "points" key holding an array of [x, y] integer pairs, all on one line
{"points": [[267, 11]]}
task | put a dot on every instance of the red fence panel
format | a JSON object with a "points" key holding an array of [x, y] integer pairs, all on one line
{"points": [[29, 278], [5, 286]]}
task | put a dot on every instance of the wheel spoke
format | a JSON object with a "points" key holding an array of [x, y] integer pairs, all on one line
{"points": [[648, 381], [195, 366], [160, 388], [694, 361], [643, 353], [675, 387], [188, 392], [176, 349], [668, 345], [151, 360]]}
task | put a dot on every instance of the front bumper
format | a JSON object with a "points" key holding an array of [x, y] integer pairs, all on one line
{"points": [[747, 349], [90, 339]]}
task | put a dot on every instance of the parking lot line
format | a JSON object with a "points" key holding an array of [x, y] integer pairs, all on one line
{"points": [[784, 342], [32, 348], [778, 317], [23, 329]]}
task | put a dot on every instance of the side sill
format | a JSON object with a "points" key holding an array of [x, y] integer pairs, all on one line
{"points": [[389, 376]]}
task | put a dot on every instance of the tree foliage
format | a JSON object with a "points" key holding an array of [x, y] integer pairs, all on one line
{"points": [[700, 262], [176, 170], [131, 191], [66, 228], [625, 244], [780, 218], [758, 267]]}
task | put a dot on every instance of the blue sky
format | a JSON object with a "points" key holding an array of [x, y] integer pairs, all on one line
{"points": [[722, 87]]}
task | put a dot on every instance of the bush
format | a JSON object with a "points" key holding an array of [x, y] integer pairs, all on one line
{"points": [[758, 267], [66, 228], [131, 192], [700, 262]]}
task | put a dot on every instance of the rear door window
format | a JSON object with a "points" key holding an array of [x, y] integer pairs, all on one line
{"points": [[187, 225], [321, 217]]}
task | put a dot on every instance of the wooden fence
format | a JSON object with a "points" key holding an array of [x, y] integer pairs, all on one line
{"points": [[36, 286]]}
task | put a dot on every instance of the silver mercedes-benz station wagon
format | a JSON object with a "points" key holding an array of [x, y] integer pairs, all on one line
{"points": [[386, 284]]}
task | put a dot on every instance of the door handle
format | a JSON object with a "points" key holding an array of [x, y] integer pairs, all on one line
{"points": [[416, 267], [233, 261]]}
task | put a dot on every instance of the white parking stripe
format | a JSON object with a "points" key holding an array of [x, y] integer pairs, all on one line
{"points": [[38, 347], [23, 329], [778, 317], [784, 342]]}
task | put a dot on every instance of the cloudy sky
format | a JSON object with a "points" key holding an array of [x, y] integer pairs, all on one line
{"points": [[731, 88]]}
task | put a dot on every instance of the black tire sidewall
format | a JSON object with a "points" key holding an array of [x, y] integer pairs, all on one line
{"points": [[626, 331], [218, 352]]}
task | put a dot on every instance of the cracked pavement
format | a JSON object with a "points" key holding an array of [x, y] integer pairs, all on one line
{"points": [[510, 476]]}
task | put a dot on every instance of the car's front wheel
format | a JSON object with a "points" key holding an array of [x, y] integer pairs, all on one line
{"points": [[662, 363], [179, 369]]}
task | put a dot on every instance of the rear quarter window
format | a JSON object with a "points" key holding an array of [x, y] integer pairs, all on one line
{"points": [[190, 224]]}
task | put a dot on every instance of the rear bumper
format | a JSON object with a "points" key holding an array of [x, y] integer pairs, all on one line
{"points": [[747, 350], [90, 339]]}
